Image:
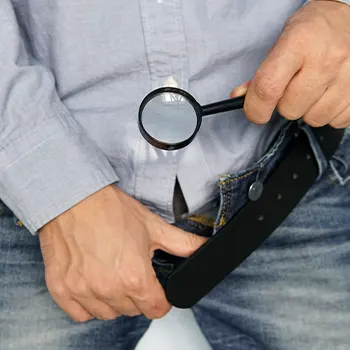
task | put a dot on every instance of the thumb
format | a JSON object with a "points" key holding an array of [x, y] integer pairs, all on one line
{"points": [[178, 242], [240, 90]]}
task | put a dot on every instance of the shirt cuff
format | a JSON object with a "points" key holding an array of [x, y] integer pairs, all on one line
{"points": [[49, 170]]}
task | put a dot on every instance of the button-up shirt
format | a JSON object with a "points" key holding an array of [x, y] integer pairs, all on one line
{"points": [[73, 74]]}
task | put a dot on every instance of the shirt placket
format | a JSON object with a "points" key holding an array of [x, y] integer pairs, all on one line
{"points": [[165, 42], [166, 52]]}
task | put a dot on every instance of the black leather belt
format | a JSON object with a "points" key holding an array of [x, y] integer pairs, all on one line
{"points": [[196, 276]]}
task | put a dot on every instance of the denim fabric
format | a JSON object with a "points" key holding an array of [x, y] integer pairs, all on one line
{"points": [[30, 320], [292, 293]]}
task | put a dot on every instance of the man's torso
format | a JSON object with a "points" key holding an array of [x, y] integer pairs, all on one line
{"points": [[107, 55]]}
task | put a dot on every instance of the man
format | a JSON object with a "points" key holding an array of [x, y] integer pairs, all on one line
{"points": [[87, 201]]}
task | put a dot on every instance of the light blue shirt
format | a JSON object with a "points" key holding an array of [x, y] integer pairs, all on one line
{"points": [[72, 76]]}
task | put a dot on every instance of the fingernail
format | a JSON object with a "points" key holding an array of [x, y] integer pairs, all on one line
{"points": [[241, 90]]}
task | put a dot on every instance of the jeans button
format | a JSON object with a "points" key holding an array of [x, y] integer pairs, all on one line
{"points": [[255, 191]]}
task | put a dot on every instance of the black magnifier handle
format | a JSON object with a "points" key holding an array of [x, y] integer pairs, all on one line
{"points": [[223, 106]]}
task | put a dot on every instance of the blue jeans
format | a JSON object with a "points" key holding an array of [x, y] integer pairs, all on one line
{"points": [[292, 293]]}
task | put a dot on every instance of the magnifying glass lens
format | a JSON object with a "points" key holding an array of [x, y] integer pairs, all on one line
{"points": [[169, 119]]}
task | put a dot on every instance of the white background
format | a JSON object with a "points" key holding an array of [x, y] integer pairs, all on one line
{"points": [[178, 330]]}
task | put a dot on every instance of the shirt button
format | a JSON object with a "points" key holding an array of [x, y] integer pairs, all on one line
{"points": [[171, 82]]}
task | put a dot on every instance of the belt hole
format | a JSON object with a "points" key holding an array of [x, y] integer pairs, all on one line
{"points": [[295, 176], [261, 218], [279, 196]]}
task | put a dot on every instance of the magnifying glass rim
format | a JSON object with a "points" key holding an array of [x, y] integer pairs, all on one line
{"points": [[163, 145]]}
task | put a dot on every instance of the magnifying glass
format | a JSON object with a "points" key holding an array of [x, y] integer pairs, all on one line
{"points": [[170, 118]]}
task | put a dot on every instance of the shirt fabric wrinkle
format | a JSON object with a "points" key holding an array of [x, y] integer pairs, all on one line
{"points": [[102, 71]]}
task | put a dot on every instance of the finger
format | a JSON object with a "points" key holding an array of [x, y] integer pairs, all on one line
{"points": [[240, 90], [342, 120], [74, 310], [77, 312], [175, 241], [123, 304], [81, 292], [304, 90], [150, 297], [330, 105], [62, 298], [272, 78], [104, 299], [97, 308]]}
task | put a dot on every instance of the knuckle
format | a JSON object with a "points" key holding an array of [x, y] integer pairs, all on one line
{"points": [[300, 34], [58, 289], [81, 289], [158, 307], [314, 122], [266, 89], [287, 112], [337, 124], [103, 289], [161, 310], [329, 62], [127, 307], [339, 53], [78, 287], [303, 36], [157, 311], [134, 284], [252, 114]]}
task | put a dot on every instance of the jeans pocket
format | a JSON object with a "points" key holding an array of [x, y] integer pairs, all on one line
{"points": [[235, 188]]}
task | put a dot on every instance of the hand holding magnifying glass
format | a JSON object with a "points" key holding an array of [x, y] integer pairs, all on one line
{"points": [[169, 118]]}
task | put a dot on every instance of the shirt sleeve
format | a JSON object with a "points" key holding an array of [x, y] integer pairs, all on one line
{"points": [[47, 162]]}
